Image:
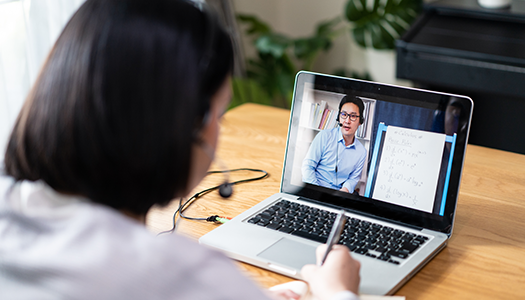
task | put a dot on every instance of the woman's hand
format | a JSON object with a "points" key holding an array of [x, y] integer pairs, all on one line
{"points": [[284, 295], [340, 272]]}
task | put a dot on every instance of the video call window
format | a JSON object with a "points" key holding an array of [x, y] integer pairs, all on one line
{"points": [[409, 162]]}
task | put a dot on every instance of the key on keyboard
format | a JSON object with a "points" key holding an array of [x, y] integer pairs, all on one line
{"points": [[360, 236]]}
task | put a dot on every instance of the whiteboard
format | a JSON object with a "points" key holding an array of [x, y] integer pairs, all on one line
{"points": [[409, 168]]}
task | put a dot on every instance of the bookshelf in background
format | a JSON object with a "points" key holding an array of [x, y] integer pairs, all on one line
{"points": [[322, 116]]}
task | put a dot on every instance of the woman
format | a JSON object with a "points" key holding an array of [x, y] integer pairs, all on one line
{"points": [[124, 115]]}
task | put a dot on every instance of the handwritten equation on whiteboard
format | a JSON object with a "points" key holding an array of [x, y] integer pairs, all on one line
{"points": [[409, 168]]}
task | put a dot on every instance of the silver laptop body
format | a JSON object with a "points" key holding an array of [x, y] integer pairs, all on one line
{"points": [[415, 143]]}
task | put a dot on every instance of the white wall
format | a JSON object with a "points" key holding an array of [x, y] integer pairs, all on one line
{"points": [[14, 74], [28, 29]]}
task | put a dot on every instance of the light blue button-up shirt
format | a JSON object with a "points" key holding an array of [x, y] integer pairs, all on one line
{"points": [[319, 165]]}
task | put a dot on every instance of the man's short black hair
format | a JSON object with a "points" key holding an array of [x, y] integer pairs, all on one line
{"points": [[114, 111], [355, 100]]}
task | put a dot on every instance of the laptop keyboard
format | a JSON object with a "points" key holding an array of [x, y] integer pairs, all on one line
{"points": [[360, 236]]}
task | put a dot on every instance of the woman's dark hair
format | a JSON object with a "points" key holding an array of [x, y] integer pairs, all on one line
{"points": [[355, 100], [115, 110]]}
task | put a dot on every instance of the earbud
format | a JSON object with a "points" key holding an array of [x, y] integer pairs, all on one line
{"points": [[225, 189]]}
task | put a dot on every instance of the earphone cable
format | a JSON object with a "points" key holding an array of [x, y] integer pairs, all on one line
{"points": [[183, 206], [206, 191]]}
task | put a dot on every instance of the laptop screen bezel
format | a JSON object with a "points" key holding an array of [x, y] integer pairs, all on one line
{"points": [[364, 205]]}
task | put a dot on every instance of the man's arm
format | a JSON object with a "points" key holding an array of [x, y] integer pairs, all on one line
{"points": [[355, 175], [311, 161]]}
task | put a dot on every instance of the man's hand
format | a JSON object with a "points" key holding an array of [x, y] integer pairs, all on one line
{"points": [[343, 189]]}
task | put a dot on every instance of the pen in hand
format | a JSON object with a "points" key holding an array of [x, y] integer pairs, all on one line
{"points": [[335, 234]]}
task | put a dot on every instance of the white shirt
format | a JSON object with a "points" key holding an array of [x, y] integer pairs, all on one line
{"points": [[54, 246], [332, 164], [58, 247]]}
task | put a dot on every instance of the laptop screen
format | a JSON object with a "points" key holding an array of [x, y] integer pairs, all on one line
{"points": [[391, 152]]}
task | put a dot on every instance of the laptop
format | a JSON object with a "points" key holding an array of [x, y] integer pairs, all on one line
{"points": [[404, 187]]}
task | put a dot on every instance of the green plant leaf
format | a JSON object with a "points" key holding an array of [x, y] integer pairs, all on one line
{"points": [[304, 48], [356, 10], [255, 26], [381, 38], [397, 27], [327, 28], [380, 25], [359, 36], [274, 44]]}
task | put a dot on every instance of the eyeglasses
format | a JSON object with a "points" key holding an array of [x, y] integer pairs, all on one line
{"points": [[353, 117]]}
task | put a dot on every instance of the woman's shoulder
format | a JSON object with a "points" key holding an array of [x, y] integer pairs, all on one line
{"points": [[88, 245], [6, 182], [176, 265]]}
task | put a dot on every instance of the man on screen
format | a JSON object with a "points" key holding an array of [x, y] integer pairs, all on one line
{"points": [[336, 158]]}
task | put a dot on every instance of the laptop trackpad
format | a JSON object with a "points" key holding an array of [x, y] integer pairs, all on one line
{"points": [[290, 253]]}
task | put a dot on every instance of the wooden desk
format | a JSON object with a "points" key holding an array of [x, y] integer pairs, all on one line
{"points": [[485, 258]]}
